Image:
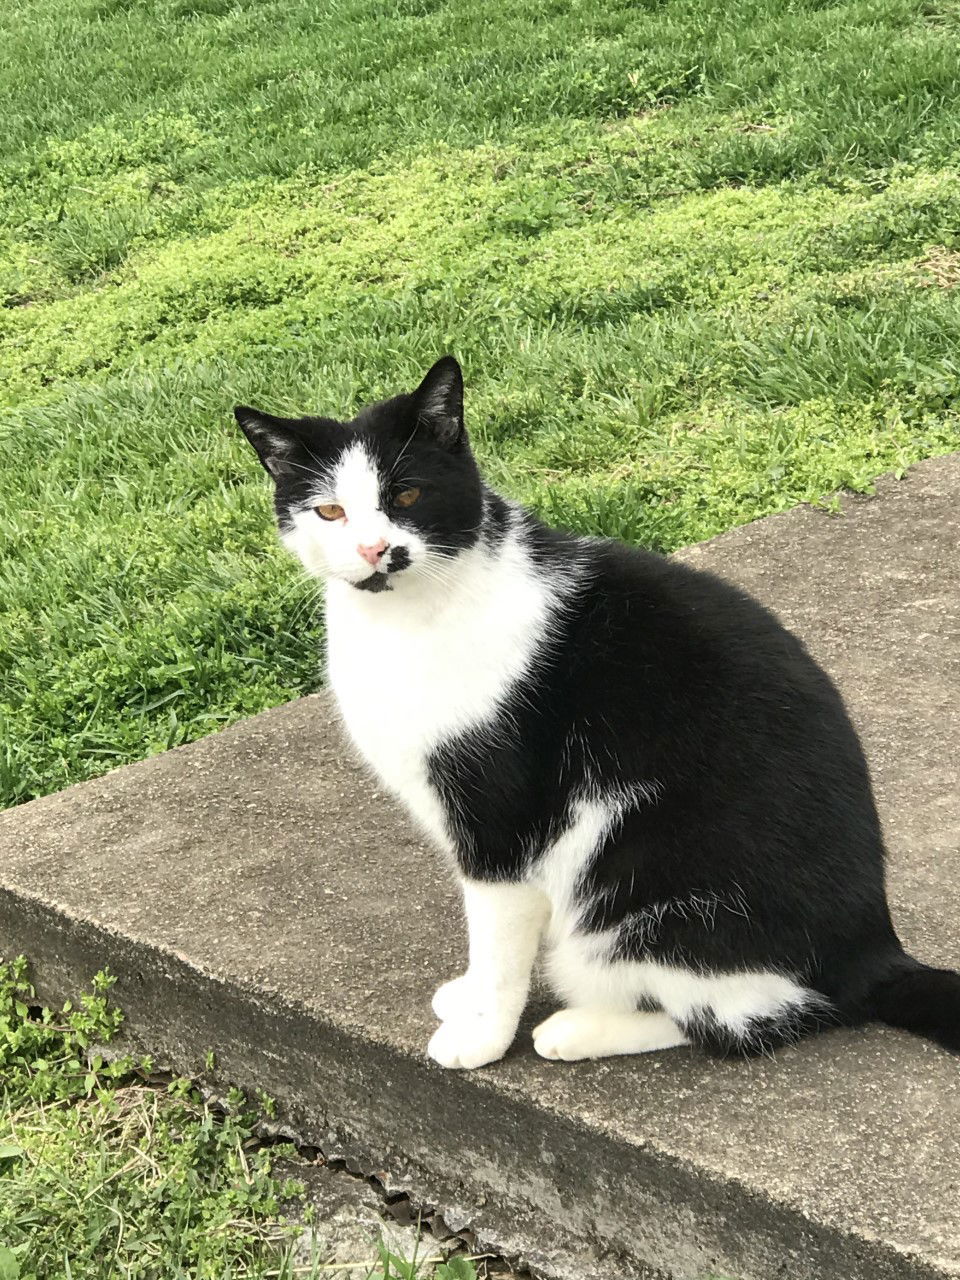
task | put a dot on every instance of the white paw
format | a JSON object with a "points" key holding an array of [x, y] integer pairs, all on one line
{"points": [[456, 999], [470, 1041], [572, 1034], [566, 1035]]}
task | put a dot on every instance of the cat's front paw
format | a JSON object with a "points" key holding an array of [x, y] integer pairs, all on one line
{"points": [[470, 1041], [456, 999]]}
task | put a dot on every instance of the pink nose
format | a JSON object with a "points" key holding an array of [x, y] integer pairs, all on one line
{"points": [[374, 553]]}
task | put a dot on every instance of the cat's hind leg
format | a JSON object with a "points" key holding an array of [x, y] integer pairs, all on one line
{"points": [[571, 1034], [747, 1014], [726, 1013], [608, 1009]]}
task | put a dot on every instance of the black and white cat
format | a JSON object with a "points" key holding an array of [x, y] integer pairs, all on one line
{"points": [[639, 774]]}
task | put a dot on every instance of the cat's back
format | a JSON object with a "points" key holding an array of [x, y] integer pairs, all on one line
{"points": [[698, 671], [655, 610]]}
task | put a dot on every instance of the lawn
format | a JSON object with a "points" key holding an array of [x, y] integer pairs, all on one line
{"points": [[109, 1169], [697, 259]]}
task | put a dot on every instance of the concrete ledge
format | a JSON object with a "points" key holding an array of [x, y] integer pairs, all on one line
{"points": [[257, 896]]}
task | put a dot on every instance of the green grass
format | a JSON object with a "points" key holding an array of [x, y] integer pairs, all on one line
{"points": [[696, 258], [110, 1170]]}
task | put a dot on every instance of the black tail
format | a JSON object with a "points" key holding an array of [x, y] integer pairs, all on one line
{"points": [[922, 1000]]}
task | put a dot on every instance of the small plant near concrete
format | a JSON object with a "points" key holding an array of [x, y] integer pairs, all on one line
{"points": [[394, 1267], [103, 1160], [108, 1168]]}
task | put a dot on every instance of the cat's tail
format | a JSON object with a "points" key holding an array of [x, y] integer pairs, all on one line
{"points": [[920, 999]]}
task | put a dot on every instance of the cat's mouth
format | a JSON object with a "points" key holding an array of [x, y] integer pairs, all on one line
{"points": [[398, 560], [376, 582]]}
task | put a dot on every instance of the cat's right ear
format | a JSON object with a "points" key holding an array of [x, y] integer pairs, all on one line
{"points": [[272, 439], [439, 402]]}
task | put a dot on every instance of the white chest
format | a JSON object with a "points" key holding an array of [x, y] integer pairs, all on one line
{"points": [[412, 668]]}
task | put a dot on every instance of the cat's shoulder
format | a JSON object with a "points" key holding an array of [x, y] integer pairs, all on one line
{"points": [[612, 569], [640, 597]]}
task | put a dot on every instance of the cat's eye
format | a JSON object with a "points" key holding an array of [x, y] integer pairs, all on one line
{"points": [[406, 497], [330, 511]]}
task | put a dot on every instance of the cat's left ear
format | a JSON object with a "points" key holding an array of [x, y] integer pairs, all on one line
{"points": [[438, 402], [272, 439]]}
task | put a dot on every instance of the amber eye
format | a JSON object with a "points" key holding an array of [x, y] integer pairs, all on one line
{"points": [[330, 511], [406, 497]]}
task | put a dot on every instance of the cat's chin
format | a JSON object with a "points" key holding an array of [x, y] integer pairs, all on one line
{"points": [[376, 582], [382, 580]]}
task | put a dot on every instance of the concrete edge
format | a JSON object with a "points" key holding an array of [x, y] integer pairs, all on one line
{"points": [[515, 1178]]}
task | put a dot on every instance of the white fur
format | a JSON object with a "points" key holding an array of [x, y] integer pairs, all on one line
{"points": [[329, 548], [581, 972], [560, 868], [434, 656], [571, 1034], [482, 1008], [427, 660]]}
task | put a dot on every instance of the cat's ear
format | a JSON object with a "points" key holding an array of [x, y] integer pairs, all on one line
{"points": [[272, 439], [439, 402]]}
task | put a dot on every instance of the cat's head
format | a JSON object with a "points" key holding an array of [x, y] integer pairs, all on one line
{"points": [[386, 498]]}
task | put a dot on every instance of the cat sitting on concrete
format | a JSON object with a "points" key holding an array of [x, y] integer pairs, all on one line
{"points": [[637, 773]]}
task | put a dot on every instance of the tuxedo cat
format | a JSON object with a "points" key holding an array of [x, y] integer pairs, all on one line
{"points": [[637, 773]]}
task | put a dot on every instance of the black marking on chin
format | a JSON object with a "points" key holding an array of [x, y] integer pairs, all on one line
{"points": [[399, 559], [376, 582]]}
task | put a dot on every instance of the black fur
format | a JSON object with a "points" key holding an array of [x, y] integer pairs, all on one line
{"points": [[417, 440], [922, 1000], [761, 847], [756, 845]]}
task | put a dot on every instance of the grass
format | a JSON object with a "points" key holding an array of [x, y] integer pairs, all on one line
{"points": [[699, 261], [108, 1169]]}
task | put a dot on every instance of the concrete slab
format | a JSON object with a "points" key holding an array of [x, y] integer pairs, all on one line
{"points": [[255, 894]]}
